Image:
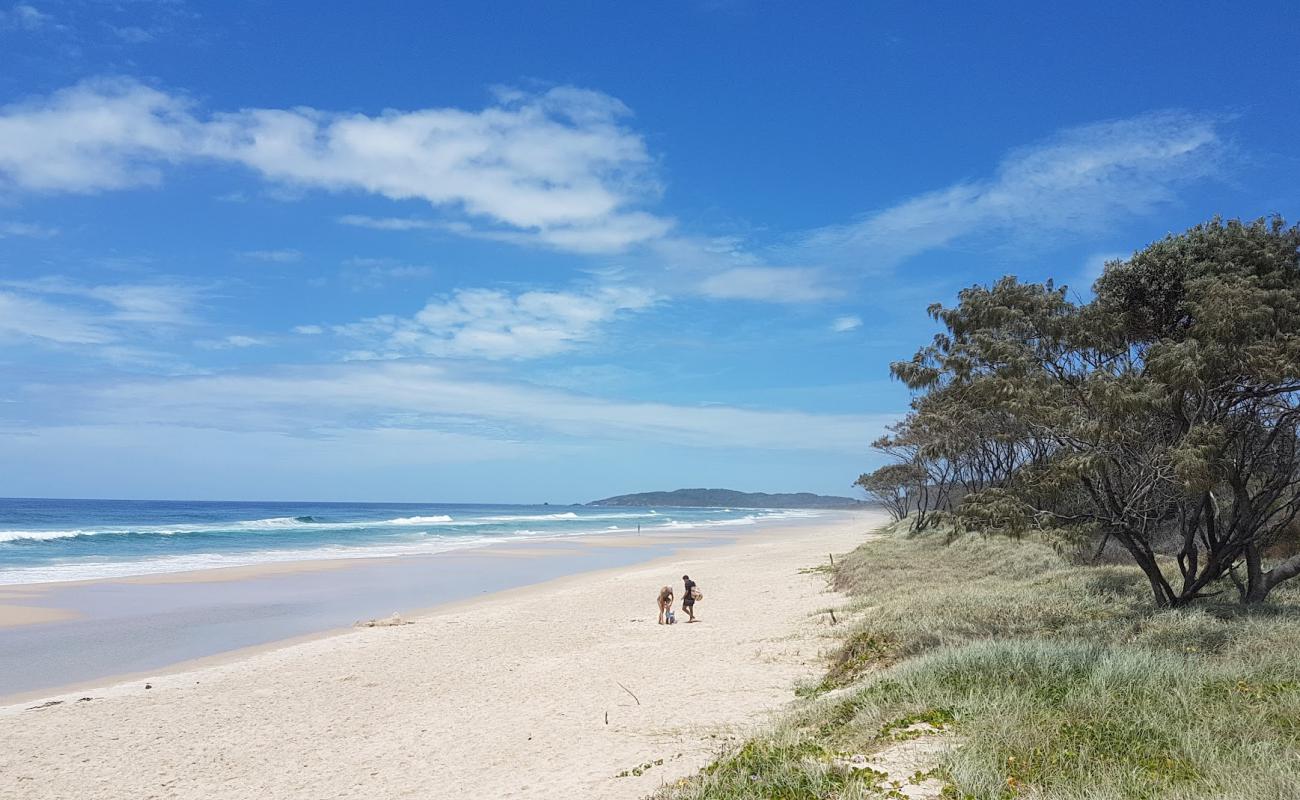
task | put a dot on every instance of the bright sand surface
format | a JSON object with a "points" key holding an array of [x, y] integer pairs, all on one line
{"points": [[513, 695]]}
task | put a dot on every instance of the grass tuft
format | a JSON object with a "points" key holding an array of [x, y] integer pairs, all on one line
{"points": [[1058, 678]]}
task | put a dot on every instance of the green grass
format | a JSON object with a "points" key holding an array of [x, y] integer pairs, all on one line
{"points": [[1059, 679]]}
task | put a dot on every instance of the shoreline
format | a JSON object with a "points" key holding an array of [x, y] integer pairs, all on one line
{"points": [[18, 701], [565, 557], [470, 657]]}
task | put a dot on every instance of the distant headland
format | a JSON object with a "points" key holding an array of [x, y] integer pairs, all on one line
{"points": [[728, 498]]}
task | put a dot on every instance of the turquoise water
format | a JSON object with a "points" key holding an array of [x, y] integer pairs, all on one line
{"points": [[67, 540]]}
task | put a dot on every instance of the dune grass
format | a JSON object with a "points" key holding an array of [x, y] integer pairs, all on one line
{"points": [[1058, 681]]}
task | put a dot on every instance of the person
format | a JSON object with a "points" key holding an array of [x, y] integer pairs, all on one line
{"points": [[665, 604], [688, 597]]}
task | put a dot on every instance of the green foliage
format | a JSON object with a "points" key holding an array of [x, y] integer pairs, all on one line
{"points": [[860, 652], [1163, 415], [1057, 680], [790, 768], [935, 719], [894, 486]]}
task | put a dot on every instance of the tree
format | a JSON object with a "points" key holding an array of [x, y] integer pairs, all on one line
{"points": [[893, 486], [1164, 414]]}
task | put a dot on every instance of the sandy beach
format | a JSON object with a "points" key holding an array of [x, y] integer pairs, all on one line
{"points": [[560, 689]]}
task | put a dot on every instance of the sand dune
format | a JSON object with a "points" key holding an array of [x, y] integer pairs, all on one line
{"points": [[529, 693]]}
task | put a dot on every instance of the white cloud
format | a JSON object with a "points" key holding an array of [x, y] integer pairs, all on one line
{"points": [[1072, 183], [132, 34], [236, 341], [244, 341], [283, 256], [308, 330], [31, 318], [604, 236], [845, 324], [558, 167], [26, 229], [388, 223], [104, 134], [371, 273], [137, 304], [769, 284], [430, 397], [494, 324], [25, 17]]}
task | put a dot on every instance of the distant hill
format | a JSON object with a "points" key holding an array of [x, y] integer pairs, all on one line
{"points": [[728, 498]]}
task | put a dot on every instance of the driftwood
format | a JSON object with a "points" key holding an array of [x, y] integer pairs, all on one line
{"points": [[629, 691]]}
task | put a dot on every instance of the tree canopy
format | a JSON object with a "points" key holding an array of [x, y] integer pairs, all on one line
{"points": [[1163, 414]]}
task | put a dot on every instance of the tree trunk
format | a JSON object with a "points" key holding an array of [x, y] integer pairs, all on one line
{"points": [[1160, 589], [1255, 582], [1258, 592]]}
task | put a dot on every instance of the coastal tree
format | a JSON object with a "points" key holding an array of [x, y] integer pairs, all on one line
{"points": [[1163, 414], [893, 486]]}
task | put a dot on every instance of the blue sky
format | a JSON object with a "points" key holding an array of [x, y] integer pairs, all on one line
{"points": [[525, 252]]}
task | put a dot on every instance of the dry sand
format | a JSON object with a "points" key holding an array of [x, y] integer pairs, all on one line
{"points": [[500, 697]]}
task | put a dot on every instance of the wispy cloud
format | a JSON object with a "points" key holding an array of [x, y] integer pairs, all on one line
{"points": [[559, 167], [56, 311], [432, 397], [132, 34], [388, 223], [495, 324], [26, 229], [35, 319], [372, 273], [236, 341], [846, 324], [1073, 183], [143, 304], [25, 17], [768, 284], [282, 256]]}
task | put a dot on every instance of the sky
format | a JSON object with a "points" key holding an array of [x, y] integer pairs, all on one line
{"points": [[510, 252]]}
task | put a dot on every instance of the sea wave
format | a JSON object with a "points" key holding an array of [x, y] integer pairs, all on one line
{"points": [[306, 524], [15, 536], [244, 542], [62, 571]]}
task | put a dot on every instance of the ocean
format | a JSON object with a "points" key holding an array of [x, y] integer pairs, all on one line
{"points": [[70, 540]]}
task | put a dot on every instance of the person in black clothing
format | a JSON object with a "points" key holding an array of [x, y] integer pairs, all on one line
{"points": [[688, 597]]}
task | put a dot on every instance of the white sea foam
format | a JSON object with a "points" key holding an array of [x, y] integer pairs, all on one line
{"points": [[14, 536], [65, 571], [530, 517], [287, 524], [443, 533]]}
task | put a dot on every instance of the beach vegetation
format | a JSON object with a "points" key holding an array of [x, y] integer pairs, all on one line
{"points": [[1037, 676], [1159, 419], [1086, 589]]}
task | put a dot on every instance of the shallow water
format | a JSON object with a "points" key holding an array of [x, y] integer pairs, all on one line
{"points": [[131, 627], [68, 540]]}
